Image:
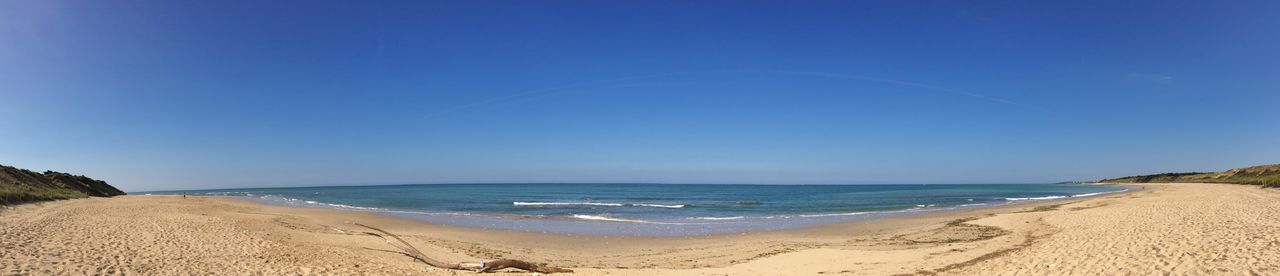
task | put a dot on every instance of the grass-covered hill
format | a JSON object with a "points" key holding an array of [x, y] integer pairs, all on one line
{"points": [[21, 186], [1265, 175]]}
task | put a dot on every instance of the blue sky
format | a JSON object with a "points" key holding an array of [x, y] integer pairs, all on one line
{"points": [[160, 95]]}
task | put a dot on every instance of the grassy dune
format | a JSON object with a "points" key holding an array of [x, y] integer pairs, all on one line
{"points": [[1265, 175], [10, 195], [21, 186]]}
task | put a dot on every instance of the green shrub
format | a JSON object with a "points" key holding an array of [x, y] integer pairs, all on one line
{"points": [[1267, 176], [10, 195]]}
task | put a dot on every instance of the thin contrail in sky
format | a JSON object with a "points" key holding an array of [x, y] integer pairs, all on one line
{"points": [[581, 85]]}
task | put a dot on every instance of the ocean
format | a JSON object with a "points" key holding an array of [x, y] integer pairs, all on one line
{"points": [[653, 209]]}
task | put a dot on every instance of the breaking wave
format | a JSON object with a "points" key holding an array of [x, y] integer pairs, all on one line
{"points": [[1058, 197], [605, 204], [719, 218]]}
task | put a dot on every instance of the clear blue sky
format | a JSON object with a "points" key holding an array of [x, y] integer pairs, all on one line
{"points": [[159, 95]]}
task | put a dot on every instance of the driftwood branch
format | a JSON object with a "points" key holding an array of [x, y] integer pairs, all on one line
{"points": [[487, 266]]}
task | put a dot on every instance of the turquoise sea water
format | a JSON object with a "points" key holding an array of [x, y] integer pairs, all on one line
{"points": [[654, 209]]}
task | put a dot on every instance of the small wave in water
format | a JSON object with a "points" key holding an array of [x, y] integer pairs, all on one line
{"points": [[719, 218], [1057, 197], [613, 219], [519, 203], [1091, 194], [1033, 198], [604, 218], [659, 205], [834, 215], [287, 200]]}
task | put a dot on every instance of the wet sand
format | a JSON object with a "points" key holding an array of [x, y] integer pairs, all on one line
{"points": [[1163, 228]]}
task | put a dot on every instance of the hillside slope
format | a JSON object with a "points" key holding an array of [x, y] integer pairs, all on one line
{"points": [[1266, 175], [21, 186]]}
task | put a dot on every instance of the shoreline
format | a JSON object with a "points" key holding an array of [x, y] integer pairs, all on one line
{"points": [[922, 214], [167, 234], [608, 225]]}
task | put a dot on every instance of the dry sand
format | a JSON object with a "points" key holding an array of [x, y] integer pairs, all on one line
{"points": [[1162, 229]]}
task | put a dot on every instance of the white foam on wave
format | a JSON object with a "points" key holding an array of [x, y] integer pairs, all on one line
{"points": [[429, 213], [604, 218], [719, 218], [912, 210], [317, 203], [518, 203], [1057, 197], [344, 206], [613, 219], [835, 214], [676, 206], [1097, 193], [606, 204], [1033, 198]]}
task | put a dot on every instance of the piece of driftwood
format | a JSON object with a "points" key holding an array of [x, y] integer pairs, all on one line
{"points": [[487, 266]]}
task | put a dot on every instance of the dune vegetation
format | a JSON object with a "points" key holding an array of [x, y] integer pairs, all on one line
{"points": [[22, 186], [1267, 176]]}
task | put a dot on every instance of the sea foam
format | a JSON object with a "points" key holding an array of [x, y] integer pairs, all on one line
{"points": [[659, 205], [1057, 197], [604, 218], [606, 204], [834, 215], [1033, 198], [518, 203], [719, 218]]}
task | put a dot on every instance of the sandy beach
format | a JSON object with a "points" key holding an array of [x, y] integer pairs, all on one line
{"points": [[1161, 228]]}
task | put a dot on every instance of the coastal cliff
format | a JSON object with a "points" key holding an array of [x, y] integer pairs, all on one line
{"points": [[22, 186], [1265, 175]]}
